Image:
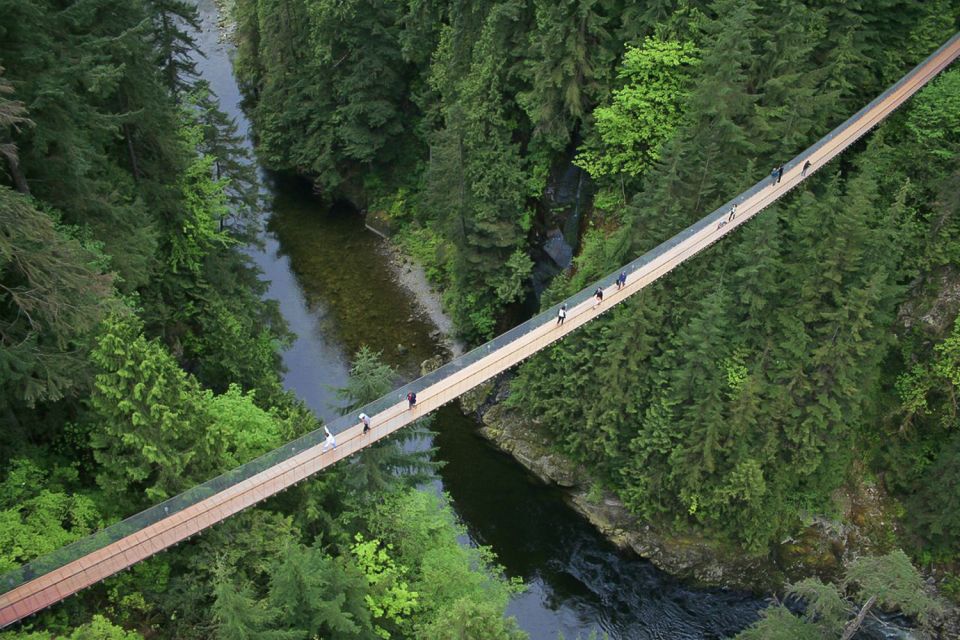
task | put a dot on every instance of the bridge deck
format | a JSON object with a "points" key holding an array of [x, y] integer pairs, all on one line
{"points": [[51, 579]]}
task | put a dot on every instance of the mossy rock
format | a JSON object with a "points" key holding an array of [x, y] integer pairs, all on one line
{"points": [[472, 400]]}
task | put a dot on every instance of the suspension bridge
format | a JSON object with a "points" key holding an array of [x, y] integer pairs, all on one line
{"points": [[55, 576]]}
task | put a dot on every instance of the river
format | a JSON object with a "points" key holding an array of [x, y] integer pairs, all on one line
{"points": [[336, 288]]}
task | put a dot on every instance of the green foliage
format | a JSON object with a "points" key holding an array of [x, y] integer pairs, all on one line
{"points": [[319, 595], [99, 628], [233, 165], [737, 412], [241, 429], [777, 623], [390, 599], [471, 620], [932, 387], [238, 616], [428, 249], [155, 429], [826, 606], [510, 285], [419, 530], [891, 579], [385, 463], [150, 418], [894, 581], [570, 51], [644, 113], [734, 412], [369, 379], [53, 294], [39, 514], [933, 121], [204, 202]]}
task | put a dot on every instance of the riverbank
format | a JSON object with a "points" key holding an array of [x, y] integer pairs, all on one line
{"points": [[862, 525], [688, 557], [412, 277]]}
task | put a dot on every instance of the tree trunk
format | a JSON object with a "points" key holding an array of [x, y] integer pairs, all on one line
{"points": [[134, 165], [19, 180], [854, 624]]}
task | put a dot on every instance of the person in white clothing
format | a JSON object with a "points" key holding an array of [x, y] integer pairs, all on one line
{"points": [[365, 419], [562, 314], [330, 442]]}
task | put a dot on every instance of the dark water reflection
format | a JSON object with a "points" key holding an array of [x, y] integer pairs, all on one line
{"points": [[577, 580], [344, 273], [334, 286]]}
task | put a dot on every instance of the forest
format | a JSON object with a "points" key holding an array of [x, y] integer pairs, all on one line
{"points": [[137, 359], [739, 399], [816, 350]]}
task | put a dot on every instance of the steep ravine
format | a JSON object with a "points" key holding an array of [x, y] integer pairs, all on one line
{"points": [[335, 285]]}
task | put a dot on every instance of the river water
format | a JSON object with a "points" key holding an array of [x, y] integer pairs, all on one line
{"points": [[337, 290]]}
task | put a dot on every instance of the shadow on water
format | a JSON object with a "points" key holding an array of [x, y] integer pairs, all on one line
{"points": [[577, 580], [335, 287]]}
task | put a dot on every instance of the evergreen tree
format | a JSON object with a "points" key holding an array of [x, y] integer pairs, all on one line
{"points": [[148, 436], [318, 595], [233, 163], [12, 116], [563, 74], [54, 292], [238, 615], [174, 23], [380, 466]]}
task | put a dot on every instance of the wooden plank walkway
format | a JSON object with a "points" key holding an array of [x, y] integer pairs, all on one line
{"points": [[62, 582]]}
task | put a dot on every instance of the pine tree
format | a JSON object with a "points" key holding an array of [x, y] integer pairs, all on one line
{"points": [[54, 292], [383, 464], [174, 23], [149, 419], [569, 48], [239, 616]]}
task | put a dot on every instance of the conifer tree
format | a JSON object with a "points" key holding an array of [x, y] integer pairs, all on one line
{"points": [[383, 464], [53, 292], [569, 48], [233, 163], [174, 23], [318, 595], [149, 418], [239, 616], [12, 117]]}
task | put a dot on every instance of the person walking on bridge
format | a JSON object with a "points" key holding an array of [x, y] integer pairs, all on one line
{"points": [[411, 400], [806, 167], [365, 419], [330, 442], [775, 174], [562, 314], [621, 280], [598, 295]]}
